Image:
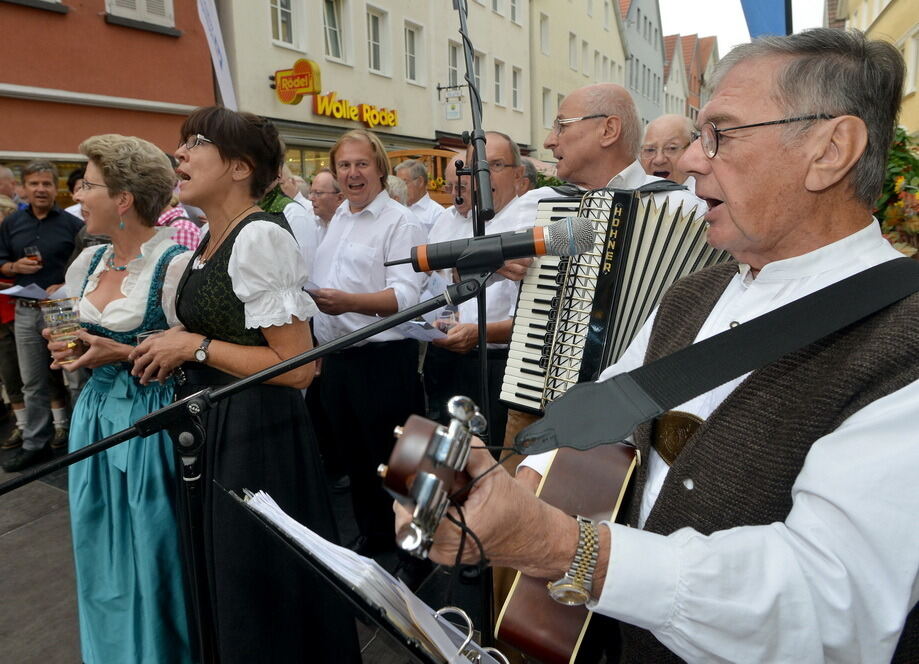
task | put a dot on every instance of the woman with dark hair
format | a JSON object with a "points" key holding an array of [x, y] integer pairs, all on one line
{"points": [[243, 310], [130, 592]]}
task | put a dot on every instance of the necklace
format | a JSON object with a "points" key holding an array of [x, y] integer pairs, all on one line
{"points": [[216, 243], [110, 262]]}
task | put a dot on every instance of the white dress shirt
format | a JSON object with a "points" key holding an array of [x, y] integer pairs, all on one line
{"points": [[835, 581], [427, 210], [351, 259], [300, 220]]}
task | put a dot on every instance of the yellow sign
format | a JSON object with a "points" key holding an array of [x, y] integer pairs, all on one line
{"points": [[291, 84], [342, 109]]}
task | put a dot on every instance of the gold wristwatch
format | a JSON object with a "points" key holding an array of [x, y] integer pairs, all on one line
{"points": [[574, 588]]}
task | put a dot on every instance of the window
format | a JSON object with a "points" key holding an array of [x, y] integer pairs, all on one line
{"points": [[606, 14], [497, 6], [572, 51], [333, 37], [376, 41], [590, 7], [158, 12], [548, 114], [412, 45], [453, 51], [499, 82], [585, 63], [544, 34], [559, 98], [597, 69], [605, 71], [515, 89], [282, 19], [477, 59], [514, 17]]}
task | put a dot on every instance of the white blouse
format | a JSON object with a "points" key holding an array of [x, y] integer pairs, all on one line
{"points": [[268, 275], [127, 313]]}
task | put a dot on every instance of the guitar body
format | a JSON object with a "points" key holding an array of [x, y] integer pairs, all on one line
{"points": [[592, 484]]}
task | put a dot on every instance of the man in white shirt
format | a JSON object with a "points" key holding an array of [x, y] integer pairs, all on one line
{"points": [[326, 197], [369, 388], [666, 139], [415, 176], [452, 364], [820, 563]]}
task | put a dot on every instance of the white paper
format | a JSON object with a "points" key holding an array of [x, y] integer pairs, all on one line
{"points": [[378, 587], [420, 330], [31, 291]]}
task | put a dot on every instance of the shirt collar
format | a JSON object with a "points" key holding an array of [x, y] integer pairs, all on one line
{"points": [[860, 246], [375, 206], [630, 177], [53, 212]]}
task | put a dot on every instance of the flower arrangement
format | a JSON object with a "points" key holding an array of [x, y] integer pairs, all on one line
{"points": [[436, 184], [898, 206]]}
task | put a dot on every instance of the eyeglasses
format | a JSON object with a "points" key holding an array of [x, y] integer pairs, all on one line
{"points": [[86, 185], [497, 165], [195, 140], [649, 152], [560, 123], [314, 192], [459, 188], [709, 133]]}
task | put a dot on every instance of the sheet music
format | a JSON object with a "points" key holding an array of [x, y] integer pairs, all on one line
{"points": [[400, 605]]}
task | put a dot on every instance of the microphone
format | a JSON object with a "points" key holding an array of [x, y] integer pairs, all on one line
{"points": [[567, 237]]}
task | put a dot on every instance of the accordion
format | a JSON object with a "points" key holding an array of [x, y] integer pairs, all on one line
{"points": [[576, 315]]}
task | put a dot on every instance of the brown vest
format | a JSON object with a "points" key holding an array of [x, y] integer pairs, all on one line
{"points": [[744, 459]]}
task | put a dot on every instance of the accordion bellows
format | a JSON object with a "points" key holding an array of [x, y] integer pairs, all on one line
{"points": [[576, 315]]}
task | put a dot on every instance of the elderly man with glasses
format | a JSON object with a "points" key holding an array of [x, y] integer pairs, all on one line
{"points": [[666, 139], [785, 529]]}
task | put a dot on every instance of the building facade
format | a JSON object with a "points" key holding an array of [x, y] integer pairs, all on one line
{"points": [[77, 68], [645, 75], [896, 21], [573, 43], [394, 66], [675, 84]]}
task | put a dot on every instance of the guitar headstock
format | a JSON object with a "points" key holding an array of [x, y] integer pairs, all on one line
{"points": [[426, 466]]}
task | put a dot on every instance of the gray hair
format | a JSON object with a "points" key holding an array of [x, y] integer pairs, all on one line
{"points": [[837, 72], [397, 189], [529, 172], [604, 100], [516, 159], [7, 173], [40, 167], [415, 168]]}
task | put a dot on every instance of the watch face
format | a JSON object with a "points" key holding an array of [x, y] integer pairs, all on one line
{"points": [[569, 594], [201, 355]]}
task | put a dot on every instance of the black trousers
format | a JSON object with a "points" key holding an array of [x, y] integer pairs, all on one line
{"points": [[366, 392], [448, 374]]}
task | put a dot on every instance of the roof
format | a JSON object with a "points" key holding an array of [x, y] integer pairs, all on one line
{"points": [[707, 46], [624, 8], [670, 42]]}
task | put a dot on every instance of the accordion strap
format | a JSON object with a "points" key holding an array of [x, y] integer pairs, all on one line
{"points": [[659, 186], [590, 414]]}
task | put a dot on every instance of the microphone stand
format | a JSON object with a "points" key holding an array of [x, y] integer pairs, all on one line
{"points": [[482, 210], [183, 421]]}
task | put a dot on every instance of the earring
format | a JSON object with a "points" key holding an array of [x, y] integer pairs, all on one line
{"points": [[121, 225]]}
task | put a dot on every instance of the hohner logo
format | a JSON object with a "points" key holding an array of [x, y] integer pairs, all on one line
{"points": [[611, 240]]}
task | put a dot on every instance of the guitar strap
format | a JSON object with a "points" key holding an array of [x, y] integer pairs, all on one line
{"points": [[590, 414]]}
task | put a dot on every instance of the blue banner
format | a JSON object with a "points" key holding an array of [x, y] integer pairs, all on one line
{"points": [[767, 17]]}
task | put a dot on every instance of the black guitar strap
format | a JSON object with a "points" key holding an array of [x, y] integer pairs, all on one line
{"points": [[590, 414]]}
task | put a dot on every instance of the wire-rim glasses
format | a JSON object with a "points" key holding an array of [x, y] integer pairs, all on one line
{"points": [[195, 140], [560, 123], [709, 132]]}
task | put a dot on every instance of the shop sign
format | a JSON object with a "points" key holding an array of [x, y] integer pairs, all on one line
{"points": [[291, 84], [342, 109]]}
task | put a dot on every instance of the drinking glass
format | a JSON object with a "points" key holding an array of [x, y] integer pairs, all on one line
{"points": [[62, 317]]}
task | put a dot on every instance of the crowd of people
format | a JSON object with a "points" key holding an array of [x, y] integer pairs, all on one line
{"points": [[195, 268]]}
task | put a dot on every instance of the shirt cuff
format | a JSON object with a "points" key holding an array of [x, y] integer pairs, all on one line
{"points": [[642, 578]]}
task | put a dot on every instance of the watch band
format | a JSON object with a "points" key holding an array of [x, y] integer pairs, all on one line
{"points": [[574, 588], [201, 353]]}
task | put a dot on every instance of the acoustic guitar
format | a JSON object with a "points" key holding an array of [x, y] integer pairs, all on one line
{"points": [[592, 484]]}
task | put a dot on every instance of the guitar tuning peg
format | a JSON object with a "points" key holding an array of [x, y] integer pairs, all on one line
{"points": [[462, 408], [477, 423]]}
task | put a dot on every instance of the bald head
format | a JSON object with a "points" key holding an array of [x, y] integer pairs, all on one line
{"points": [[591, 151], [7, 182], [666, 138]]}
